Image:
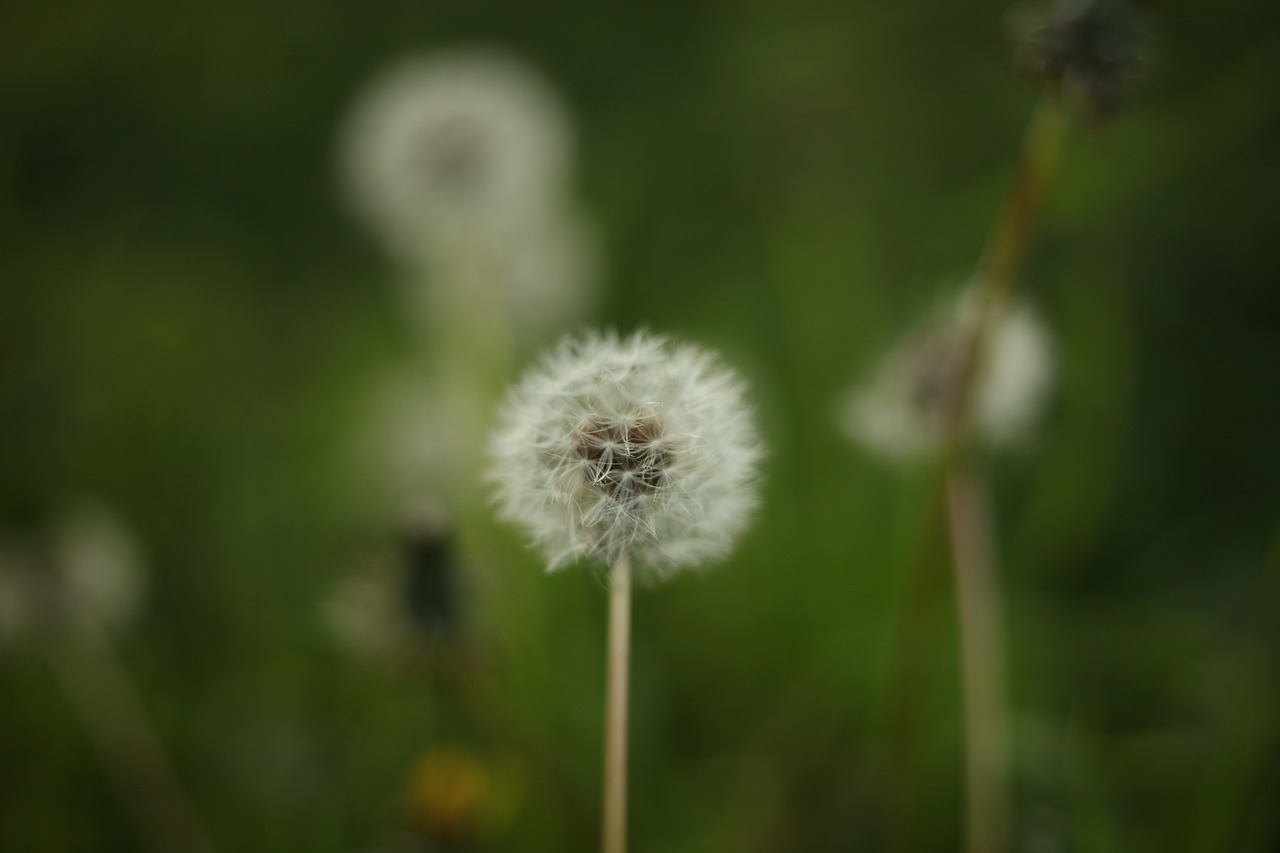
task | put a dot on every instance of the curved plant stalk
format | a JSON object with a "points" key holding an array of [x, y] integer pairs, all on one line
{"points": [[981, 640], [127, 745], [1006, 249], [969, 526], [969, 523]]}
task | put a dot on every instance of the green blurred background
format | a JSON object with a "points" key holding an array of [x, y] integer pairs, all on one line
{"points": [[189, 318]]}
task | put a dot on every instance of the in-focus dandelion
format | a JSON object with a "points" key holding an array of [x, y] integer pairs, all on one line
{"points": [[628, 446]]}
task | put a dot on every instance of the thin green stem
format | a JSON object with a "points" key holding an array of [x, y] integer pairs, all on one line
{"points": [[976, 588], [1005, 251], [981, 662]]}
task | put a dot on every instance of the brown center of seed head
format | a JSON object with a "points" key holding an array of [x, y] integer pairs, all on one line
{"points": [[625, 458], [935, 371], [454, 156]]}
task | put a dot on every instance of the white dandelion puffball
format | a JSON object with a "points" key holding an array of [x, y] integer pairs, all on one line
{"points": [[906, 407], [441, 147], [634, 447], [83, 571], [101, 564]]}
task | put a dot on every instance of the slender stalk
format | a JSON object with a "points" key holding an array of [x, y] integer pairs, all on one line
{"points": [[907, 688], [981, 656], [1008, 241], [130, 750], [1002, 258], [1007, 247], [613, 838], [977, 589]]}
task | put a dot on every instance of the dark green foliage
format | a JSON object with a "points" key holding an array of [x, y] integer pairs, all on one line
{"points": [[188, 322]]}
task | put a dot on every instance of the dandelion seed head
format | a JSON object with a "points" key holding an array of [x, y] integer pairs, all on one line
{"points": [[441, 147], [84, 570], [907, 406], [101, 565], [632, 446], [1017, 377]]}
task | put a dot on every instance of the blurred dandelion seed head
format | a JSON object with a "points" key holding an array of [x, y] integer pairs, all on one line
{"points": [[84, 570], [1016, 377], [459, 162], [633, 446], [101, 565], [363, 613], [443, 146], [906, 407]]}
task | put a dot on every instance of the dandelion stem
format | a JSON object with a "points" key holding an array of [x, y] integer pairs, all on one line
{"points": [[1007, 247], [1007, 243], [614, 831], [127, 745], [977, 593], [981, 657], [906, 693]]}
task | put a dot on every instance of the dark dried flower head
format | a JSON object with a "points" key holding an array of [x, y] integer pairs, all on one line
{"points": [[405, 606], [431, 594], [1091, 52]]}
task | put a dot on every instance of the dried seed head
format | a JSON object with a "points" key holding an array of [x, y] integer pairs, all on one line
{"points": [[1090, 51], [627, 446]]}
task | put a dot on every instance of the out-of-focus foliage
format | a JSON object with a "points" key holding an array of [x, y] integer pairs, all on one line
{"points": [[189, 324]]}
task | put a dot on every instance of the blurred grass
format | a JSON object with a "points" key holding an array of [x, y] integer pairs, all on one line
{"points": [[188, 319]]}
